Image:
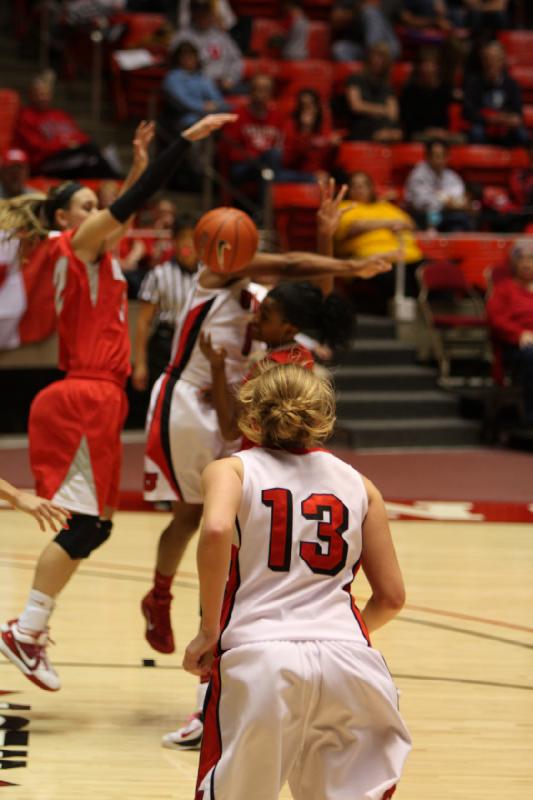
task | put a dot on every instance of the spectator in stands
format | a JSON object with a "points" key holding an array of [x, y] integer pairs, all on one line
{"points": [[370, 226], [141, 253], [357, 25], [482, 17], [372, 106], [220, 56], [493, 102], [423, 14], [55, 144], [521, 184], [309, 143], [14, 172], [436, 195], [163, 294], [510, 316], [293, 44], [253, 143], [187, 93], [425, 101]]}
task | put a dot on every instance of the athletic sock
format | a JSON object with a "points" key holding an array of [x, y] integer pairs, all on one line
{"points": [[35, 616], [162, 585]]}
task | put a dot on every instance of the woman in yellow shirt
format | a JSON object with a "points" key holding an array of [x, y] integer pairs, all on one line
{"points": [[369, 226]]}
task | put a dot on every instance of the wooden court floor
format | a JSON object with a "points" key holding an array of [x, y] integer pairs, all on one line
{"points": [[461, 654]]}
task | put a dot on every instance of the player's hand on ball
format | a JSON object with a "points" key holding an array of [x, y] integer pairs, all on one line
{"points": [[199, 654], [206, 126], [45, 512]]}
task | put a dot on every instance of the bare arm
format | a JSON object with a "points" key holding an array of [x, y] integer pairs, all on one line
{"points": [[45, 512], [380, 564], [328, 218], [222, 489], [147, 312], [222, 395]]}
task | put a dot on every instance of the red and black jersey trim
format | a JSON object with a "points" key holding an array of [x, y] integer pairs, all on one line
{"points": [[232, 586], [187, 341], [211, 749], [355, 611]]}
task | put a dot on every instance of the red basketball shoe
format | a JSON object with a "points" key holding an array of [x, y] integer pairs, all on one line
{"points": [[158, 632], [27, 651]]}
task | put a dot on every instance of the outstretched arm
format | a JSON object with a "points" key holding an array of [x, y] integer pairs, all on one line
{"points": [[88, 239]]}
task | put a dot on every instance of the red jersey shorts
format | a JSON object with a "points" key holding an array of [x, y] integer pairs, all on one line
{"points": [[75, 448]]}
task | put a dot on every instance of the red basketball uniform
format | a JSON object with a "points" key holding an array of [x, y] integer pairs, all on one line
{"points": [[75, 424]]}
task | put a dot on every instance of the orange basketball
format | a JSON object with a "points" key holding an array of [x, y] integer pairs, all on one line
{"points": [[226, 239]]}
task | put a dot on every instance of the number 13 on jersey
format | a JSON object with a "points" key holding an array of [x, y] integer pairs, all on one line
{"points": [[332, 520]]}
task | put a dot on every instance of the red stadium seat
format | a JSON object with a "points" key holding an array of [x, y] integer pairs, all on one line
{"points": [[375, 159], [342, 71], [481, 163], [518, 46], [400, 74], [295, 206], [453, 313], [318, 9], [475, 253], [140, 30], [436, 248], [262, 32], [9, 109], [312, 73], [263, 66], [136, 92], [528, 118], [404, 157], [319, 42], [523, 75]]}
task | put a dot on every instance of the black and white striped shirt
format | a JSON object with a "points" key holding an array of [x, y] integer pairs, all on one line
{"points": [[166, 286]]}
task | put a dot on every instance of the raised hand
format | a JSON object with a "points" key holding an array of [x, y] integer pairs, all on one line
{"points": [[215, 356], [329, 211], [144, 133], [205, 126]]}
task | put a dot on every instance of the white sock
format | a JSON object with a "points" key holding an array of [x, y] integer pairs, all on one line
{"points": [[35, 616]]}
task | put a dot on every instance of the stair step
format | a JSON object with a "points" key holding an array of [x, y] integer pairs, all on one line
{"points": [[365, 378], [368, 327], [429, 432], [377, 351], [394, 404]]}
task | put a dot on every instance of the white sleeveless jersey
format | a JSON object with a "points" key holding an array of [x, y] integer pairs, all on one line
{"points": [[300, 529], [225, 314]]}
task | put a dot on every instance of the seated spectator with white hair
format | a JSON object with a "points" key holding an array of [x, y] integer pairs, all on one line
{"points": [[436, 195], [54, 142], [14, 172], [510, 316]]}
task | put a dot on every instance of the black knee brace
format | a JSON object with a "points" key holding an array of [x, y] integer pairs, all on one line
{"points": [[85, 534]]}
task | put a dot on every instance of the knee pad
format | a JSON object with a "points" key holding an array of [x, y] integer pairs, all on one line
{"points": [[85, 534]]}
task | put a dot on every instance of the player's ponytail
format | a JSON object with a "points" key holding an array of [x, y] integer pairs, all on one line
{"points": [[330, 319], [23, 215], [287, 406]]}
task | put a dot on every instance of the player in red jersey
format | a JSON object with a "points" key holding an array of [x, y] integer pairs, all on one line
{"points": [[75, 424]]}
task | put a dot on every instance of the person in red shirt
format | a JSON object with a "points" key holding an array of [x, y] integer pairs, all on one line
{"points": [[53, 140], [75, 424], [254, 142], [510, 316], [309, 142]]}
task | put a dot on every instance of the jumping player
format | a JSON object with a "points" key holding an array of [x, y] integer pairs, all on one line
{"points": [[75, 424], [288, 310], [297, 692]]}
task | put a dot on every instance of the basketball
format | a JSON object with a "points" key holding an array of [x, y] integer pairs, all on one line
{"points": [[226, 239]]}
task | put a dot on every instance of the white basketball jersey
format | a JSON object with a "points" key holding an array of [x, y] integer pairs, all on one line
{"points": [[300, 529], [225, 314]]}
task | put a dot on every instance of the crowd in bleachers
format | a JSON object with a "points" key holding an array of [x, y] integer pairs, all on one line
{"points": [[424, 106]]}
